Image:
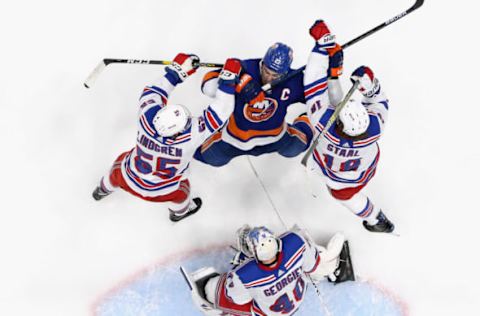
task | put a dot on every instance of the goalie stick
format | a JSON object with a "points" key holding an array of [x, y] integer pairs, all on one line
{"points": [[416, 5], [107, 61]]}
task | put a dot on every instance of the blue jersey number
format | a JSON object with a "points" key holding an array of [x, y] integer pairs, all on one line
{"points": [[284, 304], [161, 168], [349, 165]]}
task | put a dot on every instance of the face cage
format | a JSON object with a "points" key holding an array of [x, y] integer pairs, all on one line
{"points": [[279, 245]]}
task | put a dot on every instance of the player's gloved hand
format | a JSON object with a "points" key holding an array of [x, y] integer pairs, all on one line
{"points": [[249, 90], [335, 62], [321, 33], [183, 65], [239, 258], [229, 74], [242, 245], [368, 84]]}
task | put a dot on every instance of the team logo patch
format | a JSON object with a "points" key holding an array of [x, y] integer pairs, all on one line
{"points": [[260, 111]]}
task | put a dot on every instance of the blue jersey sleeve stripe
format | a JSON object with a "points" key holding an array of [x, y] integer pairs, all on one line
{"points": [[215, 116], [207, 122], [147, 92], [319, 92], [159, 91], [321, 80]]}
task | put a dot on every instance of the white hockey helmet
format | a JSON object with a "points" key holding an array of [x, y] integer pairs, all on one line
{"points": [[171, 120], [354, 118], [263, 243]]}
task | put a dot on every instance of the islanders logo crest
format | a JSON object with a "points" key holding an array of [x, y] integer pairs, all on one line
{"points": [[260, 111]]}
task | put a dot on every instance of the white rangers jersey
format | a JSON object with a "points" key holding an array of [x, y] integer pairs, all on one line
{"points": [[343, 162], [277, 290], [157, 164]]}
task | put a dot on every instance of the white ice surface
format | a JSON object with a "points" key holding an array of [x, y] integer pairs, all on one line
{"points": [[61, 251]]}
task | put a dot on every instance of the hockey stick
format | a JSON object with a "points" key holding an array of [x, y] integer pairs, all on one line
{"points": [[107, 61], [417, 4], [331, 120], [317, 290]]}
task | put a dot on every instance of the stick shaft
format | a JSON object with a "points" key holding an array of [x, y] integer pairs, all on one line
{"points": [[417, 4], [331, 120]]}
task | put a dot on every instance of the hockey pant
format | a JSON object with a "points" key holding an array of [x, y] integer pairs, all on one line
{"points": [[215, 152], [178, 201], [358, 203], [215, 292]]}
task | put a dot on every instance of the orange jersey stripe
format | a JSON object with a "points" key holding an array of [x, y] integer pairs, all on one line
{"points": [[211, 75], [298, 134], [211, 140], [305, 119]]}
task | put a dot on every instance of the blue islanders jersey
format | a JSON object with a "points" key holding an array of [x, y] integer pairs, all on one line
{"points": [[157, 165], [262, 123], [344, 162], [277, 290]]}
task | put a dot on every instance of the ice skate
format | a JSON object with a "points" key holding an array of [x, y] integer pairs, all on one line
{"points": [[384, 225], [99, 193], [194, 206]]}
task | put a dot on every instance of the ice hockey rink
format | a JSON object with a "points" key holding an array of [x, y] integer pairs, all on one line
{"points": [[62, 253]]}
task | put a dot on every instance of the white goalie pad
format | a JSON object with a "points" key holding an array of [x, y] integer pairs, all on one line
{"points": [[196, 282], [329, 257]]}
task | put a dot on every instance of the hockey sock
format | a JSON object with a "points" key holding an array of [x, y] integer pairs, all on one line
{"points": [[181, 208], [360, 205], [106, 185]]}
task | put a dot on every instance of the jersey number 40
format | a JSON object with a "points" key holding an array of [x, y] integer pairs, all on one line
{"points": [[284, 304]]}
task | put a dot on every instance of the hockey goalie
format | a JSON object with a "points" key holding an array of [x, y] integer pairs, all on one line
{"points": [[270, 274]]}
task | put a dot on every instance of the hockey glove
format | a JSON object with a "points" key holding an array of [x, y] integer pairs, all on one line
{"points": [[242, 234], [183, 65], [239, 258], [335, 62], [368, 84], [229, 74], [249, 91], [320, 32]]}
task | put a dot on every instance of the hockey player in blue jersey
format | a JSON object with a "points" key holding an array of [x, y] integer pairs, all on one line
{"points": [[270, 274], [257, 125], [347, 154]]}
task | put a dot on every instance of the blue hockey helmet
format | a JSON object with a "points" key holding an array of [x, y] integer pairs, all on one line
{"points": [[278, 58]]}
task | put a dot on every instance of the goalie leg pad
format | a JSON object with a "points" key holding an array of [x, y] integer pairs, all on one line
{"points": [[199, 284]]}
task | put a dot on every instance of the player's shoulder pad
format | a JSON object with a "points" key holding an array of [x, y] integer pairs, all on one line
{"points": [[250, 271], [251, 66], [291, 240]]}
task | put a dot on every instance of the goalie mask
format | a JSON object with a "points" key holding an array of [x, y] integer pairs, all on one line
{"points": [[263, 244], [354, 118], [172, 120]]}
